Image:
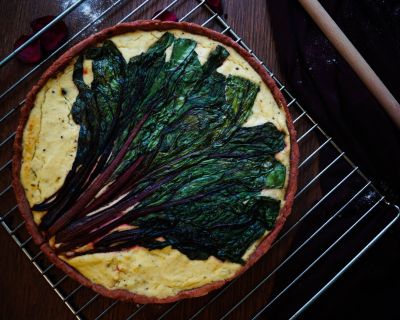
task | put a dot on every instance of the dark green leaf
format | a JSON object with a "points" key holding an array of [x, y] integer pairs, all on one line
{"points": [[191, 173]]}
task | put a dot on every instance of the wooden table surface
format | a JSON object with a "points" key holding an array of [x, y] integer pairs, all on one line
{"points": [[24, 294]]}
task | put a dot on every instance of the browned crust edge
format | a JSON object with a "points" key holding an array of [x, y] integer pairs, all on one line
{"points": [[62, 62]]}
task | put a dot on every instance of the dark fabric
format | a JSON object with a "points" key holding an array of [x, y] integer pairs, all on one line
{"points": [[368, 290], [333, 95], [330, 91]]}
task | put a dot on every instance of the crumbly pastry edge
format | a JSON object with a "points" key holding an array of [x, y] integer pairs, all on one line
{"points": [[62, 62]]}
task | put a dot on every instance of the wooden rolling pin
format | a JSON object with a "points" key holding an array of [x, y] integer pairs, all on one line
{"points": [[353, 58]]}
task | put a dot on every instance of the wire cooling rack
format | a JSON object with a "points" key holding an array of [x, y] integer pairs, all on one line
{"points": [[337, 216]]}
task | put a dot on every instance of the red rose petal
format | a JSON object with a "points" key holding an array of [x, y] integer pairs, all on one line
{"points": [[52, 38], [216, 5], [32, 53], [166, 16]]}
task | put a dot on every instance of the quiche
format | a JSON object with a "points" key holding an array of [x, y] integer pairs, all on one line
{"points": [[155, 161]]}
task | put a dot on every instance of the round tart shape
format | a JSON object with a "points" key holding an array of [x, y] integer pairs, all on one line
{"points": [[158, 266]]}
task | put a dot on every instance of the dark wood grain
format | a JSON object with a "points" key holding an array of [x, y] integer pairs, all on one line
{"points": [[24, 294]]}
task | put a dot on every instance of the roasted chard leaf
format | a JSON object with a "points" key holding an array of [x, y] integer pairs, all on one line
{"points": [[162, 151]]}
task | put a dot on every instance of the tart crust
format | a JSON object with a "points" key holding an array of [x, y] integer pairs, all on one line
{"points": [[61, 63]]}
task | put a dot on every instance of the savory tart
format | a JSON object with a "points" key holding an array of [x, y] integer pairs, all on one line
{"points": [[155, 161]]}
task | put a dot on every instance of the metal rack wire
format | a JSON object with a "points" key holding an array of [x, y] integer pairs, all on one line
{"points": [[334, 205]]}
